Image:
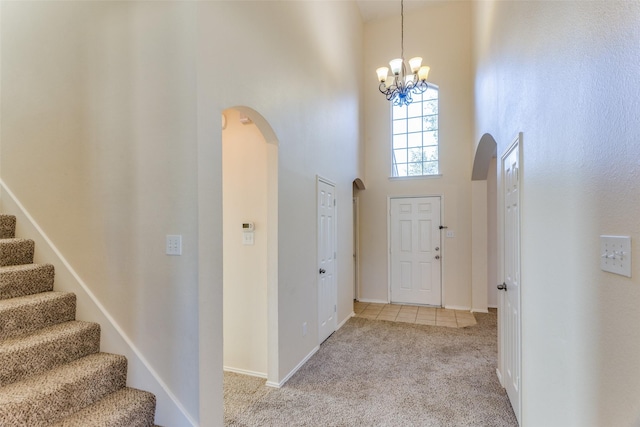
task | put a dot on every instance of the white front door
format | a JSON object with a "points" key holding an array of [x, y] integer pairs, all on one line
{"points": [[509, 297], [327, 292], [415, 250]]}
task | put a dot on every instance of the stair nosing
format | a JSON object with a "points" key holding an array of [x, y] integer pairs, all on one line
{"points": [[89, 413], [24, 341], [35, 382]]}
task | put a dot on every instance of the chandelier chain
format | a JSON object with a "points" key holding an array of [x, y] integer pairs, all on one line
{"points": [[402, 29]]}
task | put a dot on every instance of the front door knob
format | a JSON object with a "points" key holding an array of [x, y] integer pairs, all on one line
{"points": [[437, 256], [322, 271], [502, 287]]}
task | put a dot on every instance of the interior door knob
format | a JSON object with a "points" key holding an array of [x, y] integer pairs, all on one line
{"points": [[437, 256], [322, 271], [502, 287]]}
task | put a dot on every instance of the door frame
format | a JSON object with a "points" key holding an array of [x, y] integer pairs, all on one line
{"points": [[515, 144], [356, 247], [442, 243], [320, 179]]}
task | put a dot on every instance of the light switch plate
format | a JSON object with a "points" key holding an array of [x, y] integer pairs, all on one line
{"points": [[247, 238], [615, 254], [174, 245]]}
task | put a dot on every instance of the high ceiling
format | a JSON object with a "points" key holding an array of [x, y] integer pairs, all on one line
{"points": [[374, 9]]}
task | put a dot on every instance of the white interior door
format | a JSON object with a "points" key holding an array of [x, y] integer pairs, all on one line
{"points": [[510, 296], [327, 292], [415, 251]]}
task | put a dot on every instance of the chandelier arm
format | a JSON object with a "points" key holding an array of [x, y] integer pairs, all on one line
{"points": [[400, 92]]}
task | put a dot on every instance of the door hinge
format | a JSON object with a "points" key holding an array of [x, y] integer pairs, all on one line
{"points": [[334, 202], [335, 308], [335, 255]]}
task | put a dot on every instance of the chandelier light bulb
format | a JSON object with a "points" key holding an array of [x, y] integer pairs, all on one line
{"points": [[396, 66], [383, 73], [423, 73], [414, 64]]}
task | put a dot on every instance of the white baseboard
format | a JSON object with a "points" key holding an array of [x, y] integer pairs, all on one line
{"points": [[345, 320], [479, 310], [294, 370], [499, 377], [244, 372], [457, 307], [373, 301]]}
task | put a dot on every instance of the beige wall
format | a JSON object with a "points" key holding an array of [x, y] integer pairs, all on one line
{"points": [[111, 139], [244, 188], [309, 98], [98, 120], [479, 245], [565, 74], [446, 48]]}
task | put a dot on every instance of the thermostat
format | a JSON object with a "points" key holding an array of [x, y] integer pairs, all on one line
{"points": [[247, 226]]}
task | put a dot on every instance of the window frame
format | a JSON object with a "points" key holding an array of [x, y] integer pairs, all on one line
{"points": [[406, 133]]}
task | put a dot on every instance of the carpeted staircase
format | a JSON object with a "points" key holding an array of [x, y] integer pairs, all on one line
{"points": [[52, 372]]}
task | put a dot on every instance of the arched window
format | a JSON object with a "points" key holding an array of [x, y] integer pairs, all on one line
{"points": [[414, 129]]}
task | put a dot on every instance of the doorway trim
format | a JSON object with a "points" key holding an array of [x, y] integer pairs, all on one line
{"points": [[356, 247]]}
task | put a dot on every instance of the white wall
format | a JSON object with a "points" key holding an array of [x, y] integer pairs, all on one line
{"points": [[98, 129], [244, 188], [566, 75], [310, 96], [446, 48], [111, 138]]}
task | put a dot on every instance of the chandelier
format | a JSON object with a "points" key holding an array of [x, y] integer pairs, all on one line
{"points": [[400, 86]]}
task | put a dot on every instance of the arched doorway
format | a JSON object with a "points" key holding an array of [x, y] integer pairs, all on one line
{"points": [[484, 225], [358, 185], [250, 243]]}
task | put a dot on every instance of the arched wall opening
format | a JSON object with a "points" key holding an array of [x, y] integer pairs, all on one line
{"points": [[357, 187], [250, 243], [484, 263]]}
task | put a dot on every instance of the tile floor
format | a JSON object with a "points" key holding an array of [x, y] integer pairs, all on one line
{"points": [[414, 314]]}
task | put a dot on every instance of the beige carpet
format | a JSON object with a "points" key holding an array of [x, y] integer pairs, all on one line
{"points": [[51, 369], [379, 373]]}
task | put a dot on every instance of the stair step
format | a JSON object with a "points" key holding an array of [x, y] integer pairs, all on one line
{"points": [[16, 251], [127, 407], [43, 399], [23, 315], [28, 279], [7, 226], [46, 348]]}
